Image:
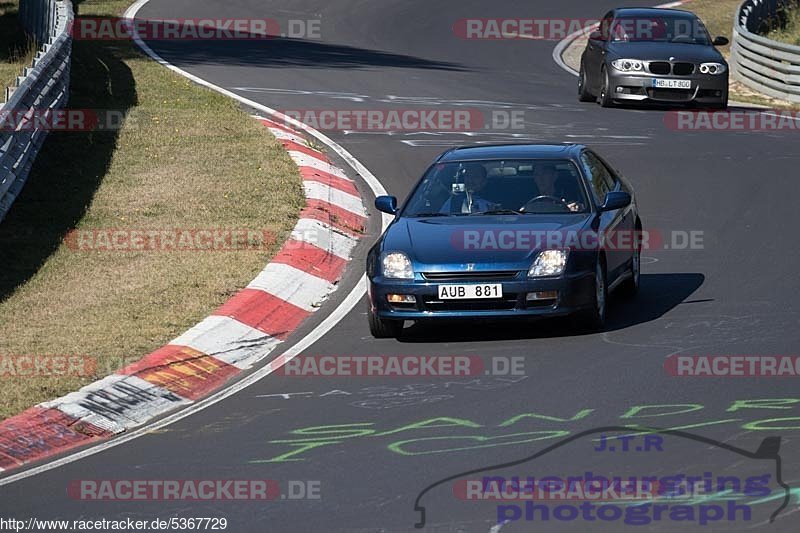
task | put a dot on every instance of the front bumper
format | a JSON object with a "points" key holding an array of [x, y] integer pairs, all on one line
{"points": [[705, 89], [575, 293]]}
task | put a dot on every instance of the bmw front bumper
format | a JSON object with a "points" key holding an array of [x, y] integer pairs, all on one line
{"points": [[705, 88]]}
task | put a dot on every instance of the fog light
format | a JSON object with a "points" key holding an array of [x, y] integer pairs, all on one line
{"points": [[401, 298], [542, 295]]}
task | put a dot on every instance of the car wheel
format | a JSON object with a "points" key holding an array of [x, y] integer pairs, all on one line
{"points": [[382, 328], [594, 319], [605, 91], [630, 287], [584, 95]]}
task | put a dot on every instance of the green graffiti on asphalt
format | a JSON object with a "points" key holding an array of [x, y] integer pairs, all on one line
{"points": [[449, 434]]}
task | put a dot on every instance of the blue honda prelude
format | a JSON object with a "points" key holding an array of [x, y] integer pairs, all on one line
{"points": [[506, 231]]}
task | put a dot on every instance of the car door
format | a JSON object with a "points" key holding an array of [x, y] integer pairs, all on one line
{"points": [[610, 222], [626, 227], [595, 53]]}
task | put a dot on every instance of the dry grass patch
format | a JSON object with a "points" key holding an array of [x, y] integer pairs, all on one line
{"points": [[16, 50], [186, 158], [790, 32]]}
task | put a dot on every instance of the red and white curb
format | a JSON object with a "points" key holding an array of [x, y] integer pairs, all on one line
{"points": [[240, 333]]}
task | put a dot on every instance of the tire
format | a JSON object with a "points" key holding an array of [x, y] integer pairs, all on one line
{"points": [[630, 287], [584, 95], [594, 319], [604, 98], [381, 328]]}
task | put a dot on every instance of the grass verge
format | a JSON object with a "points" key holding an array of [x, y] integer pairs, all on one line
{"points": [[718, 18], [16, 50], [185, 158], [790, 32]]}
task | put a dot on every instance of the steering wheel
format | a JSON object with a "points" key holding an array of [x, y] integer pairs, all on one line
{"points": [[545, 198]]}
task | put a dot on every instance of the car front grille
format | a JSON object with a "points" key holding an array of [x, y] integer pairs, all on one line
{"points": [[433, 303], [662, 68], [497, 275], [676, 95]]}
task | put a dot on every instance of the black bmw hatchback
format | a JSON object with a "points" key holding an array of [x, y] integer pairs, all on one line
{"points": [[653, 55]]}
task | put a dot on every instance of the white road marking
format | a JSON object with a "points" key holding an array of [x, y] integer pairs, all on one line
{"points": [[305, 160], [324, 236], [321, 191], [228, 340], [293, 285]]}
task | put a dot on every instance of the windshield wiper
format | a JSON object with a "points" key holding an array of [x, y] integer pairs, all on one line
{"points": [[500, 212], [423, 215]]}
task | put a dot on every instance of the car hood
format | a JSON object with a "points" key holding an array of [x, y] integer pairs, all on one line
{"points": [[693, 53], [449, 243]]}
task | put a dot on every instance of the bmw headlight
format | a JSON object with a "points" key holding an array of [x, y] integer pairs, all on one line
{"points": [[549, 263], [396, 265], [713, 68], [628, 65]]}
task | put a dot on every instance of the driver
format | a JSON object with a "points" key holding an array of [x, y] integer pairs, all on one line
{"points": [[474, 176], [546, 182]]}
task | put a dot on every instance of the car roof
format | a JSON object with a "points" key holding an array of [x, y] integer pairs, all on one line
{"points": [[651, 12], [512, 151]]}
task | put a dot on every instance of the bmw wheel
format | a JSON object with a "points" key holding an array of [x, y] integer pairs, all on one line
{"points": [[584, 95], [605, 91]]}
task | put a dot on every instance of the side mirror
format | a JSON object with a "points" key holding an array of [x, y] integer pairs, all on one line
{"points": [[721, 41], [616, 200], [595, 36], [386, 204]]}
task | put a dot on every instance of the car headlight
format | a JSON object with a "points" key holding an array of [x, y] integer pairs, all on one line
{"points": [[396, 265], [549, 263], [628, 65], [713, 68]]}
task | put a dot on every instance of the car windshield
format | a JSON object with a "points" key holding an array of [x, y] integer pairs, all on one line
{"points": [[524, 187], [662, 29]]}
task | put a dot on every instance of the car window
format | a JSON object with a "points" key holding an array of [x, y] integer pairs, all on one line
{"points": [[525, 186], [605, 24], [600, 178], [610, 172]]}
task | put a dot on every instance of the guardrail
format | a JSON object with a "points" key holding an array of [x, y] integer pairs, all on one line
{"points": [[768, 66], [38, 18], [43, 88]]}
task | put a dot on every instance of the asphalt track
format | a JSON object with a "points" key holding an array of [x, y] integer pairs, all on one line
{"points": [[737, 295]]}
